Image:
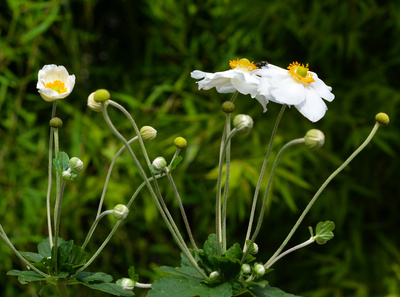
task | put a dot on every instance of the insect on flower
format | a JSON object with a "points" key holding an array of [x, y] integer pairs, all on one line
{"points": [[261, 64]]}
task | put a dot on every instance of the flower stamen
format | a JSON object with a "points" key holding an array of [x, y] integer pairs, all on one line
{"points": [[300, 73], [57, 86], [243, 64]]}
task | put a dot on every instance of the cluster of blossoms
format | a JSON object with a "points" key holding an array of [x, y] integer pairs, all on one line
{"points": [[265, 82]]}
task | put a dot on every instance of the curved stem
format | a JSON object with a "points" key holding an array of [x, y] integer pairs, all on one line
{"points": [[57, 219], [50, 177], [226, 186], [323, 186], [264, 165]]}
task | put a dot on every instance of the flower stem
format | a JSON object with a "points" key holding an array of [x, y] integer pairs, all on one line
{"points": [[226, 186], [264, 202], [323, 186], [264, 166]]}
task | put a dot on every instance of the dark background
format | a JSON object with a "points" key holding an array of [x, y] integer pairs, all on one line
{"points": [[143, 53]]}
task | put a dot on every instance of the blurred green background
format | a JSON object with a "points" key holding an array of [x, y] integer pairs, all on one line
{"points": [[143, 52]]}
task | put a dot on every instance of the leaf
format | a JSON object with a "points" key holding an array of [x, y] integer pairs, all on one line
{"points": [[92, 277], [262, 289], [132, 275], [175, 163], [324, 232], [234, 252], [179, 272], [34, 257], [182, 287], [209, 254], [110, 288], [64, 250], [61, 162], [26, 276]]}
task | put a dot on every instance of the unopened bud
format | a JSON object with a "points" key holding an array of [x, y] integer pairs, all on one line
{"points": [[243, 122], [314, 139], [259, 270], [56, 123], [382, 118], [120, 212], [228, 107], [76, 164], [254, 249], [127, 284], [101, 95], [159, 164], [94, 105], [246, 269], [180, 142], [214, 275], [148, 133], [67, 174]]}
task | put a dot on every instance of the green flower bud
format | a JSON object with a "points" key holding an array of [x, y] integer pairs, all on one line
{"points": [[246, 269], [56, 123], [76, 164], [382, 118], [159, 164], [127, 284], [180, 142], [214, 275], [120, 212], [254, 249], [228, 107], [67, 174], [101, 95], [314, 139], [243, 122], [94, 105], [259, 270], [148, 133]]}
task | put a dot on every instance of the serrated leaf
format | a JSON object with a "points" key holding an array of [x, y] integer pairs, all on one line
{"points": [[64, 250], [34, 257], [234, 252], [209, 254], [181, 287], [324, 232], [110, 288], [175, 163], [61, 162], [181, 272], [92, 277], [264, 290], [26, 276]]}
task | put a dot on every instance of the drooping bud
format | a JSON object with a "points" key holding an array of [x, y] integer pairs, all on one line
{"points": [[254, 249], [159, 164], [246, 269], [243, 122], [76, 164], [148, 133], [56, 123], [259, 270], [120, 212], [314, 139], [101, 95], [228, 107], [94, 105], [180, 142], [382, 118], [127, 284], [214, 275]]}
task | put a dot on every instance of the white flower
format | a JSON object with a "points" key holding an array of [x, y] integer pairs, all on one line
{"points": [[54, 82], [297, 86], [240, 78]]}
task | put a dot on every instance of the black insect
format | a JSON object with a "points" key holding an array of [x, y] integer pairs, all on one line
{"points": [[262, 64]]}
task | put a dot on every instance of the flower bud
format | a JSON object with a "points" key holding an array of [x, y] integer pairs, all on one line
{"points": [[159, 164], [76, 164], [214, 275], [246, 269], [120, 212], [314, 139], [148, 133], [243, 122], [67, 174], [180, 142], [101, 95], [94, 105], [228, 107], [259, 270], [127, 284], [56, 123], [382, 118], [254, 249]]}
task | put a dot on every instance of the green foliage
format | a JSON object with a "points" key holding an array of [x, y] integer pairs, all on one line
{"points": [[323, 232]]}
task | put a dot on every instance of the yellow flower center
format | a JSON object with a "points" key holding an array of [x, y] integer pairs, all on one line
{"points": [[300, 73], [57, 86], [243, 64]]}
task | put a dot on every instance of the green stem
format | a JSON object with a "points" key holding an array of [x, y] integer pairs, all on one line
{"points": [[264, 166], [226, 186], [318, 193], [265, 198], [57, 220]]}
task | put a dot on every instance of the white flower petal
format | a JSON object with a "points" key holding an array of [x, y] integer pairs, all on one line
{"points": [[322, 89], [286, 90], [313, 107], [51, 73]]}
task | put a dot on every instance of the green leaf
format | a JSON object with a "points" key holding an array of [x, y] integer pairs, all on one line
{"points": [[44, 248], [179, 272], [234, 252], [64, 250], [182, 287], [61, 162], [26, 276], [94, 277], [324, 232], [110, 288], [132, 275], [262, 289], [34, 257], [209, 254], [175, 163]]}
